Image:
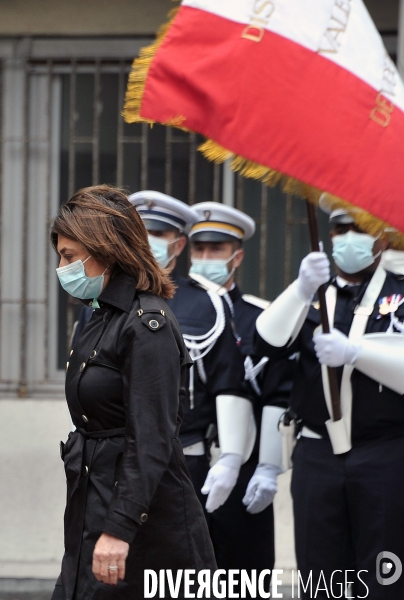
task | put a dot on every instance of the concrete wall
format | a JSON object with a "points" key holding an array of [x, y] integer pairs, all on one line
{"points": [[119, 17], [82, 17], [384, 13], [32, 487]]}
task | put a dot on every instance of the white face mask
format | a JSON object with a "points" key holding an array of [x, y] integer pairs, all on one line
{"points": [[159, 248], [213, 269], [393, 260], [353, 251], [75, 282]]}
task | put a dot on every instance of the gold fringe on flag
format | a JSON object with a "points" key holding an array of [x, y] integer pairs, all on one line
{"points": [[138, 76], [365, 220], [216, 153]]}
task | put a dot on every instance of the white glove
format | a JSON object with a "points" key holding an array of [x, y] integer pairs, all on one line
{"points": [[335, 349], [314, 271], [221, 479], [261, 488]]}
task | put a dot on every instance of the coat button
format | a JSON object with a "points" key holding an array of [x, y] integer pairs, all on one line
{"points": [[154, 324], [93, 354], [82, 367], [67, 367], [85, 419], [143, 517], [71, 352], [85, 471], [116, 483]]}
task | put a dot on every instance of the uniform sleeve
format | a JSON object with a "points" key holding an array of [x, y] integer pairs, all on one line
{"points": [[277, 381], [262, 348], [153, 369]]}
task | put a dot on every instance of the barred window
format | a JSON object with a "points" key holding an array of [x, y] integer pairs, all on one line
{"points": [[61, 129]]}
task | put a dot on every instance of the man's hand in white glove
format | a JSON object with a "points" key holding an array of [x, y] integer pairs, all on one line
{"points": [[314, 271], [261, 488], [221, 479], [335, 349]]}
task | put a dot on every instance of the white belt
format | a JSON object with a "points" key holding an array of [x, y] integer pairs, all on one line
{"points": [[309, 433], [197, 449]]}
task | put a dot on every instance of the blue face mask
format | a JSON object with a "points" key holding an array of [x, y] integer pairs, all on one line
{"points": [[75, 282], [353, 251], [159, 248], [213, 269]]}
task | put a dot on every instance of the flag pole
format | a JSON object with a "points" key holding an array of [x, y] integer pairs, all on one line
{"points": [[332, 373]]}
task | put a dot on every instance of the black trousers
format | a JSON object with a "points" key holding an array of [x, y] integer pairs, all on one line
{"points": [[349, 508], [240, 540]]}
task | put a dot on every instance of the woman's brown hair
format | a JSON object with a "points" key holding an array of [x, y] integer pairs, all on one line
{"points": [[103, 220]]}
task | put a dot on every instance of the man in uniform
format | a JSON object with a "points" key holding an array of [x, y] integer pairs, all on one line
{"points": [[242, 529], [217, 378], [348, 476]]}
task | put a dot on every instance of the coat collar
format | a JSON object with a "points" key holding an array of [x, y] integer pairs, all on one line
{"points": [[120, 291]]}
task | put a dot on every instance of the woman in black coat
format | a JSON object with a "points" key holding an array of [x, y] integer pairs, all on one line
{"points": [[130, 502]]}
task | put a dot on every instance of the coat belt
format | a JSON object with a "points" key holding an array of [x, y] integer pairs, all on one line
{"points": [[103, 433]]}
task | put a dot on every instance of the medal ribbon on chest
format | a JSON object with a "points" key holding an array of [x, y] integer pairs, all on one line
{"points": [[389, 304]]}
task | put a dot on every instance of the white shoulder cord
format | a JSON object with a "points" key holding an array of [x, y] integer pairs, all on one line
{"points": [[207, 340], [252, 371], [199, 345]]}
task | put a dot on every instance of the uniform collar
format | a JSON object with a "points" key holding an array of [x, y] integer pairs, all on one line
{"points": [[234, 293], [355, 291], [120, 291]]}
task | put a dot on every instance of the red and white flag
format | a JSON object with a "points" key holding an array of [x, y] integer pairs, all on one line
{"points": [[304, 87]]}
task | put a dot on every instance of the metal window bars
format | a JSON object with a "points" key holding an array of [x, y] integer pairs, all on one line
{"points": [[61, 129]]}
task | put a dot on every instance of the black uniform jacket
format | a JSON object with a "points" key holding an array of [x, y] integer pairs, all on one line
{"points": [[125, 469], [377, 411], [276, 378], [223, 364]]}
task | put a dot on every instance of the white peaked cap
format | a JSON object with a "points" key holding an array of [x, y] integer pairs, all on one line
{"points": [[218, 222], [162, 212]]}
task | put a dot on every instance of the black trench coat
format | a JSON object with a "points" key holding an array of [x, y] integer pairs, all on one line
{"points": [[125, 469]]}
